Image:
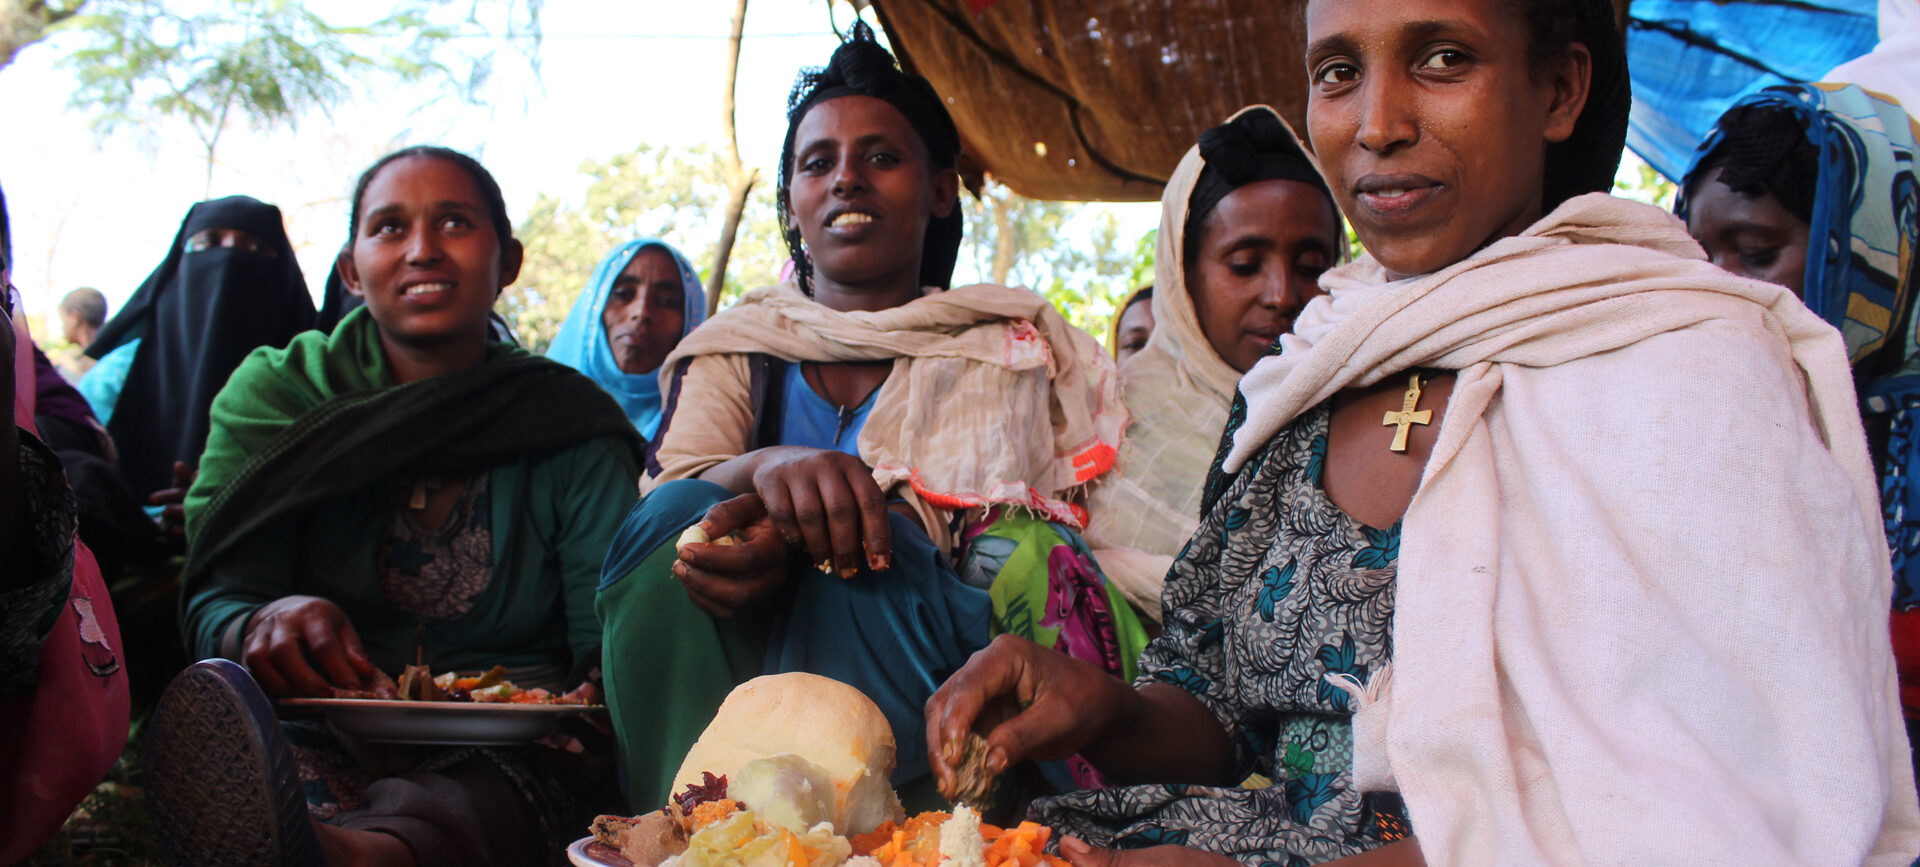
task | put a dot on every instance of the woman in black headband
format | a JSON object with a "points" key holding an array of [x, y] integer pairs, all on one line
{"points": [[900, 460]]}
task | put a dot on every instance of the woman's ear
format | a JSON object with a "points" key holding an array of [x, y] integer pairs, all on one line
{"points": [[349, 274], [511, 257], [946, 192], [1571, 82]]}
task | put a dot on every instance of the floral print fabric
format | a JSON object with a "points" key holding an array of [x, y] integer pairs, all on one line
{"points": [[436, 574], [1047, 588], [1277, 590]]}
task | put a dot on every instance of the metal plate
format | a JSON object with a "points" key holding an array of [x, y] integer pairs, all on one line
{"points": [[444, 723]]}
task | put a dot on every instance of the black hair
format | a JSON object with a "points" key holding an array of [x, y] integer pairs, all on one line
{"points": [[861, 67], [87, 303], [489, 188], [1587, 160], [1253, 147], [1145, 294], [1764, 149]]}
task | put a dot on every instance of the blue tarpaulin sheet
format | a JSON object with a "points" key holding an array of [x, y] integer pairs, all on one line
{"points": [[1691, 59]]}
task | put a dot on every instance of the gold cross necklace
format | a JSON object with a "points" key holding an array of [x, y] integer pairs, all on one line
{"points": [[1406, 418]]}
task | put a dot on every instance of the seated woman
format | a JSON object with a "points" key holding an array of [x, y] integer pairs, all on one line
{"points": [[1541, 541], [642, 299], [1246, 228], [401, 491], [1812, 187], [857, 428], [228, 285]]}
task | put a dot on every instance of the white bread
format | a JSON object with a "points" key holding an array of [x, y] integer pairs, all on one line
{"points": [[822, 720]]}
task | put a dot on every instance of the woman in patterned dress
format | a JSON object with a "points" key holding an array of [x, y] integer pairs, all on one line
{"points": [[1621, 625]]}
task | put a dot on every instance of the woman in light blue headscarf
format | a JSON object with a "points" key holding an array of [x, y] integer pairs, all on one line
{"points": [[641, 300]]}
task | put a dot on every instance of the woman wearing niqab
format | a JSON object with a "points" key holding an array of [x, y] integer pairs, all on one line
{"points": [[178, 339]]}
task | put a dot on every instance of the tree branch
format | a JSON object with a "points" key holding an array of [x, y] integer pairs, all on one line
{"points": [[739, 181]]}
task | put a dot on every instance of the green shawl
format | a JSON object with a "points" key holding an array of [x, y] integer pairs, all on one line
{"points": [[320, 419]]}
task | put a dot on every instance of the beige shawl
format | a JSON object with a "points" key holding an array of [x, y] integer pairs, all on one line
{"points": [[1642, 590], [1178, 390], [994, 398]]}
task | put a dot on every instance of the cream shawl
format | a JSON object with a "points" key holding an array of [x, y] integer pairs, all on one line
{"points": [[1178, 390], [1642, 589], [994, 398]]}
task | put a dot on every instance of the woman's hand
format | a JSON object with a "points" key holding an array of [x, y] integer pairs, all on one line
{"points": [[724, 580], [304, 646], [173, 518], [1030, 702], [826, 503]]}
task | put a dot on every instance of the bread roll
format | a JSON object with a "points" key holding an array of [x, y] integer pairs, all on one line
{"points": [[824, 721]]}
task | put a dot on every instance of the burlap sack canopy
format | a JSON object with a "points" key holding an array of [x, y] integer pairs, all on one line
{"points": [[1095, 100]]}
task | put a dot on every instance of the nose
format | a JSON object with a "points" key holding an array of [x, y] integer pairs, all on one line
{"points": [[1287, 293], [1386, 124], [849, 176], [423, 246]]}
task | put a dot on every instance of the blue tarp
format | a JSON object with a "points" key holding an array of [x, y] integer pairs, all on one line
{"points": [[1690, 59]]}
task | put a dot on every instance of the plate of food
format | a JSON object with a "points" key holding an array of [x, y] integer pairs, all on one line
{"points": [[448, 710], [809, 792]]}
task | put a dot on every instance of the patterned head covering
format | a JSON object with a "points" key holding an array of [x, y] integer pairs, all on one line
{"points": [[582, 341], [1860, 240]]}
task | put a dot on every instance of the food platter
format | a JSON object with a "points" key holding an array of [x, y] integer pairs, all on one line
{"points": [[586, 852], [443, 723]]}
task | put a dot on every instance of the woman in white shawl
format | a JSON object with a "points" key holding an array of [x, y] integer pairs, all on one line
{"points": [[1247, 227], [1542, 541]]}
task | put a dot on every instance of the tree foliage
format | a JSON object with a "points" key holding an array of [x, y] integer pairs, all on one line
{"points": [[268, 63], [1073, 254], [674, 194]]}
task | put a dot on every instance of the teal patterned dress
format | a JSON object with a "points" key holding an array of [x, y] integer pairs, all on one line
{"points": [[1277, 589]]}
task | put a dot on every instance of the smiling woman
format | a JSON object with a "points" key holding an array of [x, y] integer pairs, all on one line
{"points": [[899, 461], [395, 492], [1540, 540]]}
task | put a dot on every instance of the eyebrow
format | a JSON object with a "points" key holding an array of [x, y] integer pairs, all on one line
{"points": [[867, 140], [442, 205], [1412, 30]]}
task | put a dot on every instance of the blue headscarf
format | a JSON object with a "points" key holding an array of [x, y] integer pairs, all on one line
{"points": [[582, 341], [1863, 275]]}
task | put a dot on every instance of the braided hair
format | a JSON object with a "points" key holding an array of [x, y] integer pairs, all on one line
{"points": [[860, 67]]}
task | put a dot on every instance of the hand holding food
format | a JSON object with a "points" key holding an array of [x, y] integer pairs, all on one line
{"points": [[809, 791], [304, 646], [733, 558], [1031, 702]]}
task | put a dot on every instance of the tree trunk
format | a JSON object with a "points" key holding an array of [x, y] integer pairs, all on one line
{"points": [[24, 22], [1005, 241], [739, 179]]}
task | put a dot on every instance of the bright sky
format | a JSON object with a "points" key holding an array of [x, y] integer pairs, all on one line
{"points": [[101, 212]]}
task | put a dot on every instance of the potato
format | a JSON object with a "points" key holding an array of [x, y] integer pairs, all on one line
{"points": [[696, 536]]}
